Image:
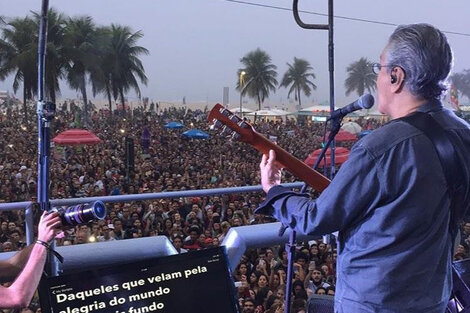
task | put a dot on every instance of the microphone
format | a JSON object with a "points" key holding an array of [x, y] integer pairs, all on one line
{"points": [[364, 102]]}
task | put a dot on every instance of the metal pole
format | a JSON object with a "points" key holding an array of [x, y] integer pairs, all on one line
{"points": [[241, 81], [29, 224], [146, 196], [45, 112], [241, 113], [331, 69], [42, 49], [245, 85], [290, 247]]}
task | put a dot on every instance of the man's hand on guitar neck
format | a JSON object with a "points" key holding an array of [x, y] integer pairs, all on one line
{"points": [[271, 171]]}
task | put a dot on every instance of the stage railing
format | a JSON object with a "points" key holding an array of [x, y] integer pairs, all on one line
{"points": [[27, 205]]}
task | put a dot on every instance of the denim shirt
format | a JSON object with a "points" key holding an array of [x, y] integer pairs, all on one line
{"points": [[390, 204]]}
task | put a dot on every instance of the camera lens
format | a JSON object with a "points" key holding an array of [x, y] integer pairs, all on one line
{"points": [[97, 209], [83, 213]]}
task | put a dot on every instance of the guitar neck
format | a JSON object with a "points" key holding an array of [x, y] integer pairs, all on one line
{"points": [[287, 160], [243, 131]]}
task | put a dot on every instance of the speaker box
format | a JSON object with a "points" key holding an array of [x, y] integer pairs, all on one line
{"points": [[320, 304], [130, 153]]}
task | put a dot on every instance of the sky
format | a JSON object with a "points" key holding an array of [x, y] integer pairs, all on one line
{"points": [[196, 45]]}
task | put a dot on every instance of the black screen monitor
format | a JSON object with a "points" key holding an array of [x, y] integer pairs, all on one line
{"points": [[196, 282]]}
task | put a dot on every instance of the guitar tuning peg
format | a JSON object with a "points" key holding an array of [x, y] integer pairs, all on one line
{"points": [[236, 136], [217, 123], [226, 131], [235, 119], [243, 124], [225, 112]]}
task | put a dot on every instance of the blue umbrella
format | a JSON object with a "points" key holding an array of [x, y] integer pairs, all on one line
{"points": [[172, 125], [195, 133]]}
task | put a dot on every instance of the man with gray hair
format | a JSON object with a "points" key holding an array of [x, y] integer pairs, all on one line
{"points": [[392, 202]]}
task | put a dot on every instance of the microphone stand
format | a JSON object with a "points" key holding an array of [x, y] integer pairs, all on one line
{"points": [[336, 124], [290, 246]]}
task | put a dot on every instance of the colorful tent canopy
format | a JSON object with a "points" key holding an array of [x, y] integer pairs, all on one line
{"points": [[341, 155], [343, 136], [244, 110], [76, 137], [273, 112], [315, 110]]}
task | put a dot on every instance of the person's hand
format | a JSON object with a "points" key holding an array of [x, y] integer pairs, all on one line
{"points": [[270, 171], [311, 266], [297, 267], [262, 264], [48, 226]]}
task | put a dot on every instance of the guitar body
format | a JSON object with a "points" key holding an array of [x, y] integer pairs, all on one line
{"points": [[243, 131]]}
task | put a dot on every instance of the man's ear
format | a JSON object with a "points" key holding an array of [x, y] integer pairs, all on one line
{"points": [[397, 79]]}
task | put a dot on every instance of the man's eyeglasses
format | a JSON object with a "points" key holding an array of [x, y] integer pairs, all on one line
{"points": [[376, 67]]}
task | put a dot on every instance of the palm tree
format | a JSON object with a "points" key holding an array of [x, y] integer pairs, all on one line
{"points": [[461, 82], [121, 62], [82, 55], [260, 76], [18, 55], [297, 76], [360, 77], [55, 56], [101, 79]]}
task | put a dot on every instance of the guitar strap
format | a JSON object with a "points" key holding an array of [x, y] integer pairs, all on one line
{"points": [[447, 156], [449, 161]]}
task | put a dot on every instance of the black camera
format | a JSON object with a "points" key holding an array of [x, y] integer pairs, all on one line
{"points": [[82, 213]]}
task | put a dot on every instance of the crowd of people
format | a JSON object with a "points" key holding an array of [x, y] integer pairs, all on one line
{"points": [[170, 163]]}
